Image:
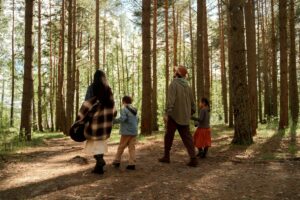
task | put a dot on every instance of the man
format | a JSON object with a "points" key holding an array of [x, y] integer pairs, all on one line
{"points": [[180, 107]]}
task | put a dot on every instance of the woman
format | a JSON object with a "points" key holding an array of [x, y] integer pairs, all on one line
{"points": [[96, 144]]}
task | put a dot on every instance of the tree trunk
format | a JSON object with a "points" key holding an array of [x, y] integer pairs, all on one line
{"points": [[265, 66], [51, 72], [2, 103], [200, 80], [60, 105], [167, 48], [242, 124], [74, 56], [146, 126], [70, 100], [293, 87], [206, 54], [26, 112], [104, 43], [12, 66], [40, 93], [251, 60], [229, 41], [274, 95], [97, 61], [192, 49], [154, 51], [283, 120], [175, 34], [259, 114], [222, 60]]}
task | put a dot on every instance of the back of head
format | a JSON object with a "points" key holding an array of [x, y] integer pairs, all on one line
{"points": [[101, 89]]}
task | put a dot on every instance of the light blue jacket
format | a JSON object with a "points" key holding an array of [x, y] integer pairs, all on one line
{"points": [[129, 121]]}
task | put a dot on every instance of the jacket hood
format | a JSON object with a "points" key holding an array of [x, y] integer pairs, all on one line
{"points": [[132, 109], [182, 81]]}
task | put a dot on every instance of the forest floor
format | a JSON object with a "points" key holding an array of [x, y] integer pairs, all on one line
{"points": [[268, 169]]}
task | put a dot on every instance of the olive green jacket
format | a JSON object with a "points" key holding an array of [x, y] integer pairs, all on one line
{"points": [[180, 102]]}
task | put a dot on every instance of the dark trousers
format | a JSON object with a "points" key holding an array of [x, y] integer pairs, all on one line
{"points": [[186, 137]]}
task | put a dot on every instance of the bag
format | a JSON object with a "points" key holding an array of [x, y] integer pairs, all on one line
{"points": [[77, 129]]}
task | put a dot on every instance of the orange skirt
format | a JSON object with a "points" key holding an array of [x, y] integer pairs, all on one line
{"points": [[202, 137]]}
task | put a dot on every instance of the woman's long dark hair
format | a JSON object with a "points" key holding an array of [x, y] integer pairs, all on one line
{"points": [[102, 90]]}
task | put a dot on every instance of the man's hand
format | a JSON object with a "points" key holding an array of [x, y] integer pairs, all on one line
{"points": [[166, 119]]}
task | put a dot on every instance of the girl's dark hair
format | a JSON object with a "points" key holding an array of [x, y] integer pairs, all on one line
{"points": [[102, 90], [206, 102], [127, 100]]}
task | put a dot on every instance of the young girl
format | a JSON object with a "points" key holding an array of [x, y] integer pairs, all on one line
{"points": [[202, 136]]}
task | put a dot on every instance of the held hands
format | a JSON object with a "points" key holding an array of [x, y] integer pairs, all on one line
{"points": [[166, 119]]}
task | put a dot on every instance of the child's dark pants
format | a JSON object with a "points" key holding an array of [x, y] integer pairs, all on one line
{"points": [[184, 132]]}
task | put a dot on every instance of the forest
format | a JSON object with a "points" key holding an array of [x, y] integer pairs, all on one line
{"points": [[241, 55]]}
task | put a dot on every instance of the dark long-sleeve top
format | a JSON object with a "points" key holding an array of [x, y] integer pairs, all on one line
{"points": [[204, 118]]}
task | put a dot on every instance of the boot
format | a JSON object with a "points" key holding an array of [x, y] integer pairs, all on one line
{"points": [[165, 159], [130, 167], [204, 152], [100, 163], [193, 162], [200, 152]]}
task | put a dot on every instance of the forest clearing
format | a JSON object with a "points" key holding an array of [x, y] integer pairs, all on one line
{"points": [[267, 170], [149, 99]]}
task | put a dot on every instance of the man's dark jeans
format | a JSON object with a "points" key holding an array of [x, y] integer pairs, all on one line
{"points": [[184, 132]]}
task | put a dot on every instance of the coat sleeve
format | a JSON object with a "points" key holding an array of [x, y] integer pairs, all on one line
{"points": [[122, 118], [171, 98]]}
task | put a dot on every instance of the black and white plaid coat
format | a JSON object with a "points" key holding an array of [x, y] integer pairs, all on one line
{"points": [[99, 122]]}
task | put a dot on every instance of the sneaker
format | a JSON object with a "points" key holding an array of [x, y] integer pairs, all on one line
{"points": [[130, 167]]}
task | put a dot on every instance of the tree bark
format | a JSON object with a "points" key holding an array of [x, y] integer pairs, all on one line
{"points": [[259, 114], [27, 96], [205, 54], [167, 48], [283, 120], [229, 41], [97, 59], [51, 71], [60, 105], [242, 124], [40, 92], [146, 126], [192, 49], [293, 86], [200, 80], [70, 100], [267, 105], [222, 60], [74, 56], [154, 57], [175, 34], [251, 60], [274, 95], [12, 66]]}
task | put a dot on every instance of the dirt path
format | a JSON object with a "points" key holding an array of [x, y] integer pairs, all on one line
{"points": [[53, 172]]}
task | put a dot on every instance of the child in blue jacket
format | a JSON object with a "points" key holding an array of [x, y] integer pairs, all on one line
{"points": [[128, 130]]}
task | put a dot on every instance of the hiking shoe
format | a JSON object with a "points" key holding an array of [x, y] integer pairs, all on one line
{"points": [[130, 167], [164, 160], [116, 164], [193, 162]]}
